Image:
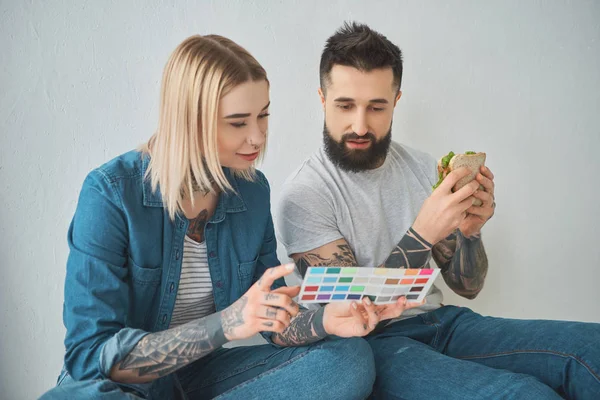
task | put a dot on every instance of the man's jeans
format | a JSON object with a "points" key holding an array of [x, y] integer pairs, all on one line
{"points": [[454, 353], [331, 369]]}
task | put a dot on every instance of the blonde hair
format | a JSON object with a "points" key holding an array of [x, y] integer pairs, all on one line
{"points": [[183, 151]]}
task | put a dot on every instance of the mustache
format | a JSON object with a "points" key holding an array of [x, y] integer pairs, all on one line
{"points": [[353, 136]]}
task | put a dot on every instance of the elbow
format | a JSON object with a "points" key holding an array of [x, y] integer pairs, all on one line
{"points": [[468, 288], [470, 291]]}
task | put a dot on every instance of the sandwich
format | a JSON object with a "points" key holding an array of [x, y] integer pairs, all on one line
{"points": [[470, 159]]}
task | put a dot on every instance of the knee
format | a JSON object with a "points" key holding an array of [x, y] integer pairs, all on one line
{"points": [[352, 362]]}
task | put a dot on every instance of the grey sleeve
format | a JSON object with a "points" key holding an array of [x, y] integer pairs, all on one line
{"points": [[305, 219]]}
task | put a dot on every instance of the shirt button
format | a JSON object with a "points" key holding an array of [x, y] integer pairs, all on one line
{"points": [[219, 284], [180, 224], [164, 318], [177, 254], [212, 254], [172, 287]]}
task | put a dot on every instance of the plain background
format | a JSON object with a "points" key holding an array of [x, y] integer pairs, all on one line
{"points": [[79, 84]]}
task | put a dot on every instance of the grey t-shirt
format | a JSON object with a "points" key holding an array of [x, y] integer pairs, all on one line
{"points": [[371, 210]]}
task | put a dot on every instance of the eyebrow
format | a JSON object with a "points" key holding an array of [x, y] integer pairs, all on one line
{"points": [[349, 99], [246, 115]]}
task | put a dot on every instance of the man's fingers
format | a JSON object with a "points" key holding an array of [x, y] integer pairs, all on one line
{"points": [[486, 171], [371, 312], [486, 182], [281, 301], [486, 198], [481, 211], [272, 274], [466, 191], [358, 316], [453, 177], [414, 304]]}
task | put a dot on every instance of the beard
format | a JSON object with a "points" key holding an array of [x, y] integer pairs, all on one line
{"points": [[356, 160]]}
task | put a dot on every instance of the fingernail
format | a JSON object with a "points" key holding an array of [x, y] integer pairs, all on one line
{"points": [[289, 267], [404, 301], [354, 305], [368, 301]]}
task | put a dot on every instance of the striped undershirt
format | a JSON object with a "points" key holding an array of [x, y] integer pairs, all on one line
{"points": [[195, 293]]}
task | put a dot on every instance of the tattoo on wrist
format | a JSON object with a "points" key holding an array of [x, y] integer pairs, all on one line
{"points": [[411, 252], [307, 327], [233, 316]]}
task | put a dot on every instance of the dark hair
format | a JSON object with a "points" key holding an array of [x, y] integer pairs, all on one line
{"points": [[356, 45]]}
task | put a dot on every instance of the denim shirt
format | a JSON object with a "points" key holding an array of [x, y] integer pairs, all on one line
{"points": [[125, 260]]}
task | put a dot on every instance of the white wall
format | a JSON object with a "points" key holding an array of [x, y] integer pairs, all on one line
{"points": [[79, 85]]}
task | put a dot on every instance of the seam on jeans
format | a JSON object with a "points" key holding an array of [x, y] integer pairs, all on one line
{"points": [[429, 322], [229, 374], [273, 370], [556, 353]]}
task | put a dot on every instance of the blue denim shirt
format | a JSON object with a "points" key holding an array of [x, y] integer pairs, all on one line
{"points": [[125, 261]]}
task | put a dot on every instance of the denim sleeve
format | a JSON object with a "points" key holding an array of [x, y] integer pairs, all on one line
{"points": [[96, 291]]}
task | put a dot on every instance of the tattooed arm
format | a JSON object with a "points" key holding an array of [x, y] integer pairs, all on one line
{"points": [[463, 263], [307, 327], [411, 252], [337, 253], [161, 353]]}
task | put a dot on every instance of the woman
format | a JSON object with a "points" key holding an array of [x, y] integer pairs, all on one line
{"points": [[168, 251]]}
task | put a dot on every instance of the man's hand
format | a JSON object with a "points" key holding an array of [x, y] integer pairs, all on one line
{"points": [[477, 216], [394, 310], [260, 308], [350, 319], [444, 211]]}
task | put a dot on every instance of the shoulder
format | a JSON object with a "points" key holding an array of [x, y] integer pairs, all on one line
{"points": [[411, 155], [127, 166]]}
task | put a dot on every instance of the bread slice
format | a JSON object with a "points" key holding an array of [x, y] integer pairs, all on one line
{"points": [[473, 162]]}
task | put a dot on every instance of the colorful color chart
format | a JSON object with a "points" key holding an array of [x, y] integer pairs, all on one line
{"points": [[381, 285]]}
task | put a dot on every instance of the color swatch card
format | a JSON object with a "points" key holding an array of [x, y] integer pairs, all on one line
{"points": [[381, 285]]}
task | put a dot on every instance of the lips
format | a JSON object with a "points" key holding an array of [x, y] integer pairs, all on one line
{"points": [[358, 144], [249, 157]]}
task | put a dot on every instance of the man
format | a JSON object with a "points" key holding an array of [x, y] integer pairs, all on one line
{"points": [[365, 200]]}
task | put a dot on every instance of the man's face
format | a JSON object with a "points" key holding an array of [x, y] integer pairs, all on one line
{"points": [[358, 109]]}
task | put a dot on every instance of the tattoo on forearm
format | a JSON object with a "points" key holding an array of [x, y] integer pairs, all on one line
{"points": [[161, 353], [196, 229], [233, 316], [463, 262], [411, 252], [307, 327], [343, 258]]}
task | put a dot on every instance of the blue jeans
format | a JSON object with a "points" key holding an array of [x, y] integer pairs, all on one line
{"points": [[336, 369], [454, 353]]}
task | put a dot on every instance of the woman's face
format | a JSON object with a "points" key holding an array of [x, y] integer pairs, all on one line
{"points": [[242, 126]]}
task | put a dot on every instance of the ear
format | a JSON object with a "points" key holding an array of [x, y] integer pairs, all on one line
{"points": [[322, 96], [398, 97]]}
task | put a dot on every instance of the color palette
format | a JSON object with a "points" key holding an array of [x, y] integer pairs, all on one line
{"points": [[381, 285]]}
